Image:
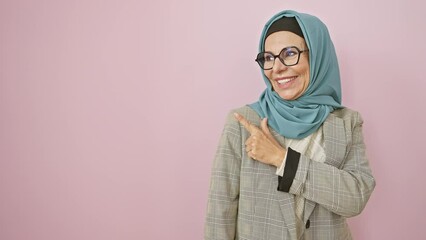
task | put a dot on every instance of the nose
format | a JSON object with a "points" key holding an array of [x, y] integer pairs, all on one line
{"points": [[279, 66]]}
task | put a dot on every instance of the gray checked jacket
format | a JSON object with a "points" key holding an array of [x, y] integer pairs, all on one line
{"points": [[244, 200]]}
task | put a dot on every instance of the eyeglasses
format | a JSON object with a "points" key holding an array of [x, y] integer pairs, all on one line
{"points": [[289, 56]]}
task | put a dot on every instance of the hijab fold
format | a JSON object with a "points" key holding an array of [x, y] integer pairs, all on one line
{"points": [[301, 117]]}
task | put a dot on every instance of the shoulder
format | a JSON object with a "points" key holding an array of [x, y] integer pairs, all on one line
{"points": [[350, 117]]}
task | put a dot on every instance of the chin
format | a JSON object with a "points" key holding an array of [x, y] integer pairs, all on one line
{"points": [[288, 97]]}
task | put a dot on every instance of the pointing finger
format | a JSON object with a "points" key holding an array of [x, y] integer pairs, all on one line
{"points": [[247, 125]]}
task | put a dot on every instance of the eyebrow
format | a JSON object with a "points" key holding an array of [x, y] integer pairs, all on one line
{"points": [[284, 48]]}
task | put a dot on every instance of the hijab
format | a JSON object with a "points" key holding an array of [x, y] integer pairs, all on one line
{"points": [[303, 116]]}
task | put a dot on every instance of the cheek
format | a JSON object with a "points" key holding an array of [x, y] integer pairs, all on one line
{"points": [[305, 73], [308, 76], [306, 69]]}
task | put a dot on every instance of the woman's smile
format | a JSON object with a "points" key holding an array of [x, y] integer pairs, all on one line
{"points": [[285, 82]]}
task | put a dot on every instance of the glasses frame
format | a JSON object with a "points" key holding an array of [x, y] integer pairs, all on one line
{"points": [[278, 56]]}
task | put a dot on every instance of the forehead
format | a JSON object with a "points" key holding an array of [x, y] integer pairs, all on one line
{"points": [[279, 40]]}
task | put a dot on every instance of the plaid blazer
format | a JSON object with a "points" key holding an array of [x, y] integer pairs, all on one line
{"points": [[244, 202]]}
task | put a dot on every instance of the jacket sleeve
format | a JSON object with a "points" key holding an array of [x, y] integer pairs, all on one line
{"points": [[222, 207], [344, 189]]}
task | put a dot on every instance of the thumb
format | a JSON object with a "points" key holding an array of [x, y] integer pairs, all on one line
{"points": [[265, 130], [264, 126]]}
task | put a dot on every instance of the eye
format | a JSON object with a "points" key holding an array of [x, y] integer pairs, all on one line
{"points": [[268, 57], [288, 53]]}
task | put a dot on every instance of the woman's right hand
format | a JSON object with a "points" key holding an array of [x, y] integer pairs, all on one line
{"points": [[261, 145]]}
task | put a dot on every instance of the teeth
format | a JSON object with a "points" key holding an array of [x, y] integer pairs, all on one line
{"points": [[285, 80]]}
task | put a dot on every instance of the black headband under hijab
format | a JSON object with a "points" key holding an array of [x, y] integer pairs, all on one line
{"points": [[289, 24]]}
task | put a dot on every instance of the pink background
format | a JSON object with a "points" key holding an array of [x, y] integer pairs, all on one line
{"points": [[110, 111]]}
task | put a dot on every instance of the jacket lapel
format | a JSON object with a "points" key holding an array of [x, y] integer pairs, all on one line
{"points": [[335, 142], [285, 200]]}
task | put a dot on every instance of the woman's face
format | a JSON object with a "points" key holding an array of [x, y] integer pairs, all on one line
{"points": [[289, 82]]}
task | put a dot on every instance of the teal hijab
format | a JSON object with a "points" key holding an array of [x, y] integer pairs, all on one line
{"points": [[301, 117]]}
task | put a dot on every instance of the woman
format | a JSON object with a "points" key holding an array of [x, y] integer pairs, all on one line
{"points": [[303, 177]]}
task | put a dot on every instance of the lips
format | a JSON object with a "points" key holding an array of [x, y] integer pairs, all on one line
{"points": [[285, 80]]}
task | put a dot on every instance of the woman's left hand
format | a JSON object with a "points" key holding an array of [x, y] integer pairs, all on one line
{"points": [[261, 145]]}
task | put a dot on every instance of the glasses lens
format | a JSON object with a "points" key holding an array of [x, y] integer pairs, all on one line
{"points": [[289, 56], [265, 60]]}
